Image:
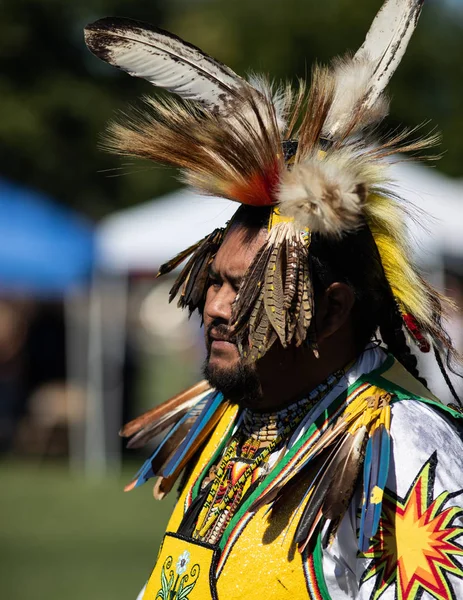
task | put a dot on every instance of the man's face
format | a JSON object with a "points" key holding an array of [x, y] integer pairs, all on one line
{"points": [[224, 367]]}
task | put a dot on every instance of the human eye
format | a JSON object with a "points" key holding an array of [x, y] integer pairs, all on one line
{"points": [[215, 280]]}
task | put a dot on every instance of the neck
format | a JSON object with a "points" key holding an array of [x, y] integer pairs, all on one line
{"points": [[288, 375]]}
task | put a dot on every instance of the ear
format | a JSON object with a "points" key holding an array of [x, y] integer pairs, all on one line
{"points": [[333, 309]]}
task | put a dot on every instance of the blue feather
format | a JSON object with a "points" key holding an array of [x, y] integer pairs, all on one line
{"points": [[146, 471], [366, 486], [375, 472], [382, 475], [213, 402]]}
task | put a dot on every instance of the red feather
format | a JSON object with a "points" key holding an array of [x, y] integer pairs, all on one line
{"points": [[415, 331]]}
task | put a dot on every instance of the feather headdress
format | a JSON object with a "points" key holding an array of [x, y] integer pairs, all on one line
{"points": [[232, 138], [309, 157]]}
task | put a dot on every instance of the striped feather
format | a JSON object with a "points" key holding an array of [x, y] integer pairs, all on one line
{"points": [[360, 81], [274, 290], [387, 40], [253, 280], [332, 490]]}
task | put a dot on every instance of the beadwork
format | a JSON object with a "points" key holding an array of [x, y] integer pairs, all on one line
{"points": [[245, 459]]}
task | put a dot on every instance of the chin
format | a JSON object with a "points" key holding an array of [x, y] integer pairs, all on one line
{"points": [[238, 381], [223, 364], [218, 370]]}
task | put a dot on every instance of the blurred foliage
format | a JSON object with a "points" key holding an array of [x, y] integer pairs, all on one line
{"points": [[55, 98], [66, 537]]}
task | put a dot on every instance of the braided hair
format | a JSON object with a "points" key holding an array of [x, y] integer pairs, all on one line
{"points": [[354, 259], [393, 335]]}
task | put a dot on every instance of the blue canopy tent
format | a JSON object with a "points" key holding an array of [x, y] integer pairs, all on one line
{"points": [[48, 252], [45, 249]]}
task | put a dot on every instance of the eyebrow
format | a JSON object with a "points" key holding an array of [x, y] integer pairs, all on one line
{"points": [[235, 280]]}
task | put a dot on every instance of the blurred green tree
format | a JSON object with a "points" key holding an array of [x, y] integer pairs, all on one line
{"points": [[56, 98]]}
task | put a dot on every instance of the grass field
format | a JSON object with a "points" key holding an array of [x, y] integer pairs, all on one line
{"points": [[64, 538]]}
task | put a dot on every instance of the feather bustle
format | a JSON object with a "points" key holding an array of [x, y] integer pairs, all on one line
{"points": [[171, 405]]}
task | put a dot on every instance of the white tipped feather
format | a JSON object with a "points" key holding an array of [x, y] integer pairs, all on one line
{"points": [[353, 78], [387, 40], [165, 60], [361, 81]]}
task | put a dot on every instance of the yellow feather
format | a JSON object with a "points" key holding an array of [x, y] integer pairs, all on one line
{"points": [[386, 221]]}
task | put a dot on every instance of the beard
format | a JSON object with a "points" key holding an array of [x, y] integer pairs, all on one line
{"points": [[239, 383]]}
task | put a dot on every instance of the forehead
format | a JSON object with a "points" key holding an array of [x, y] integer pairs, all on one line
{"points": [[238, 250]]}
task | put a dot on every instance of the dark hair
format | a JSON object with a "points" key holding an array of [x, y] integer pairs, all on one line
{"points": [[352, 259]]}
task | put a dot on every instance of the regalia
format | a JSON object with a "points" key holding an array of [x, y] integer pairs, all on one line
{"points": [[310, 156]]}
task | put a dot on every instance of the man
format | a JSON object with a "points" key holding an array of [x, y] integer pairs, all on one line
{"points": [[316, 463]]}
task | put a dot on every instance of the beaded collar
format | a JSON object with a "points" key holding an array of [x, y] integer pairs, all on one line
{"points": [[269, 425], [245, 458]]}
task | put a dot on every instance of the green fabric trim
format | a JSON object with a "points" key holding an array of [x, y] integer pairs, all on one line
{"points": [[318, 566], [400, 393], [251, 499], [367, 377], [314, 427], [217, 453]]}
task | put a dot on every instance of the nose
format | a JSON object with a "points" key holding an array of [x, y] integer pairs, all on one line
{"points": [[219, 300]]}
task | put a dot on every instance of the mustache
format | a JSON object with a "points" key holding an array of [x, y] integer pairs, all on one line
{"points": [[221, 330]]}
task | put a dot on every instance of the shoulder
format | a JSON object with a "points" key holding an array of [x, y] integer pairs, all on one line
{"points": [[420, 427], [421, 432], [425, 425]]}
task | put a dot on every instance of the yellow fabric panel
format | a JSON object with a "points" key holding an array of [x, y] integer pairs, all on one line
{"points": [[181, 566], [400, 376], [264, 562], [204, 458], [267, 543]]}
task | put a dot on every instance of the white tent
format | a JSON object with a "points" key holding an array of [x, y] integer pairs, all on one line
{"points": [[437, 208], [144, 237]]}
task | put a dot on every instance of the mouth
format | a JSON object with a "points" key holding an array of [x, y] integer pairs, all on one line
{"points": [[220, 342]]}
